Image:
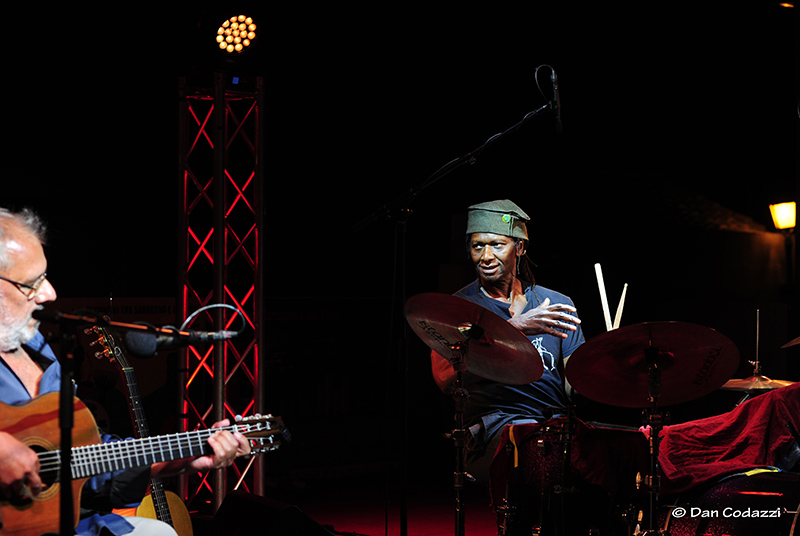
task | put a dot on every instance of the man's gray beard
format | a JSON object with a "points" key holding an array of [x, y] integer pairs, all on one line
{"points": [[14, 336]]}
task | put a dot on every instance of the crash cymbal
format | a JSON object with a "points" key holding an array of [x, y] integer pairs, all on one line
{"points": [[755, 383], [611, 368], [496, 350], [793, 342]]}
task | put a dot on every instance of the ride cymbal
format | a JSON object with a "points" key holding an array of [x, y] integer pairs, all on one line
{"points": [[612, 368]]}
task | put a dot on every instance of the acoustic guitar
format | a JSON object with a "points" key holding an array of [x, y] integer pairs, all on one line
{"points": [[160, 503], [36, 424]]}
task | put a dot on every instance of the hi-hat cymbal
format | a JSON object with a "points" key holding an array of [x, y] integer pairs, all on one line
{"points": [[611, 368], [496, 350], [755, 383]]}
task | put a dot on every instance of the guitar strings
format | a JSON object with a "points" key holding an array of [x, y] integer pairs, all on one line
{"points": [[89, 460]]}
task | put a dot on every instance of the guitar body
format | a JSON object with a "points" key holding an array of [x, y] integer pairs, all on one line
{"points": [[181, 521], [36, 424]]}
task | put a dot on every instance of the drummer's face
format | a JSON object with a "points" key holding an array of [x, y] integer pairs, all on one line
{"points": [[494, 256]]}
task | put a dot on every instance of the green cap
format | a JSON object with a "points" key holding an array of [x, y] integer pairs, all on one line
{"points": [[498, 217]]}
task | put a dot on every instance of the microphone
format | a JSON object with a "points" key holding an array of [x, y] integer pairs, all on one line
{"points": [[147, 343], [557, 100]]}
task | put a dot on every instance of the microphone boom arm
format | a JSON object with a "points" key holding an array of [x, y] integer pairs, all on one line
{"points": [[405, 200]]}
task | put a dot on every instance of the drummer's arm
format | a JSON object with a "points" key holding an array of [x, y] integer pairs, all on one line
{"points": [[445, 375]]}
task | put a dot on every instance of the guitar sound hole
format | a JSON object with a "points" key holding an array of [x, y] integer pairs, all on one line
{"points": [[49, 476]]}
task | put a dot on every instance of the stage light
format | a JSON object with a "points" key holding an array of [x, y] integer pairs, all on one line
{"points": [[784, 215], [236, 34]]}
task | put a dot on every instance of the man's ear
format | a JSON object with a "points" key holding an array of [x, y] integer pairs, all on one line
{"points": [[522, 247]]}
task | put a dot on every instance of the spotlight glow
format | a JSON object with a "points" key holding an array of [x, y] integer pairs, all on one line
{"points": [[236, 34]]}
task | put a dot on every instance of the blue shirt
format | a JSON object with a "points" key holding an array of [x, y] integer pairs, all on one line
{"points": [[12, 391], [494, 404]]}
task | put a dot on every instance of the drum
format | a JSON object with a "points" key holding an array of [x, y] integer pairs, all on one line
{"points": [[761, 503], [536, 488], [530, 475]]}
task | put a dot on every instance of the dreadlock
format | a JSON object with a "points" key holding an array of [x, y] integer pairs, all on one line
{"points": [[525, 265]]}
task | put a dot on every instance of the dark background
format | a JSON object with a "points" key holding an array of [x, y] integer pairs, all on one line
{"points": [[680, 127]]}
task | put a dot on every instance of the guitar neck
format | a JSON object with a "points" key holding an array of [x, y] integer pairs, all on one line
{"points": [[137, 410], [93, 460]]}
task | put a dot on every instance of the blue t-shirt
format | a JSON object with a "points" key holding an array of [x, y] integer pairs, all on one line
{"points": [[12, 392], [494, 404]]}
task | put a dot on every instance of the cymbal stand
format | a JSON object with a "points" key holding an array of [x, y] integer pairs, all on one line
{"points": [[459, 434], [507, 508], [756, 364], [566, 488], [656, 422]]}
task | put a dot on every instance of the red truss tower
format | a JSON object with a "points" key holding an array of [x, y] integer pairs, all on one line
{"points": [[221, 176]]}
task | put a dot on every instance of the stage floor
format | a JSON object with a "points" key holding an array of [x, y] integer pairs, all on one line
{"points": [[426, 516]]}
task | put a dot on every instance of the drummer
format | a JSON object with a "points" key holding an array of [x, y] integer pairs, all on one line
{"points": [[497, 241]]}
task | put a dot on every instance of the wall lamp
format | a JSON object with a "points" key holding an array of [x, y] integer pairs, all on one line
{"points": [[784, 215]]}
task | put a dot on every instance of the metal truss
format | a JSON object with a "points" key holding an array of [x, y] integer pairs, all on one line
{"points": [[221, 180]]}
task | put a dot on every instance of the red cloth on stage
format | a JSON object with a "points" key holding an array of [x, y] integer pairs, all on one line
{"points": [[692, 454], [754, 434]]}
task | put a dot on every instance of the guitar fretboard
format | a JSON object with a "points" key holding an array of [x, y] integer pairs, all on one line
{"points": [[92, 460]]}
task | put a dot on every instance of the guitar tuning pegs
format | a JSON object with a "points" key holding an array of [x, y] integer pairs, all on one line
{"points": [[105, 353]]}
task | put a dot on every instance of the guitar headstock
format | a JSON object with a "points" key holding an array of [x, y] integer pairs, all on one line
{"points": [[107, 346], [265, 432]]}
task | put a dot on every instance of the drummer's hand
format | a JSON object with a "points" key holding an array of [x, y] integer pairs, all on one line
{"points": [[547, 319]]}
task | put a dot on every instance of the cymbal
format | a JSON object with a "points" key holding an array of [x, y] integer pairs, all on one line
{"points": [[611, 368], [755, 383], [793, 342], [496, 350]]}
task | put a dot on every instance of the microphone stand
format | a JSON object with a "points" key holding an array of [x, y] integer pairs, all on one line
{"points": [[399, 211], [66, 420], [399, 208]]}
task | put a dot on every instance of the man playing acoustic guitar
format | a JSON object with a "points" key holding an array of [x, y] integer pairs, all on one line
{"points": [[29, 368]]}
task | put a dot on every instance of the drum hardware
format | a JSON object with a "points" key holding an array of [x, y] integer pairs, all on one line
{"points": [[459, 434], [507, 510], [655, 421], [755, 384], [632, 517]]}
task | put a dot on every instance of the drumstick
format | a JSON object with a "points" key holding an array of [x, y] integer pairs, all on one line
{"points": [[599, 271], [619, 307]]}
